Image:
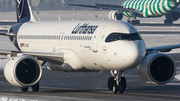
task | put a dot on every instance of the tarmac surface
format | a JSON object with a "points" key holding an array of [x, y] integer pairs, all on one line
{"points": [[91, 86]]}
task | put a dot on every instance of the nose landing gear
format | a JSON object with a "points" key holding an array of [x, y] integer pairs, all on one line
{"points": [[117, 83]]}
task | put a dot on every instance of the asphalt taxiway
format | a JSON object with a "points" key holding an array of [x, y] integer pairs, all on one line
{"points": [[90, 86]]}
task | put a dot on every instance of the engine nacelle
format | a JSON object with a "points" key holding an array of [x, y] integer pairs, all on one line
{"points": [[23, 71], [173, 16], [115, 15], [157, 68]]}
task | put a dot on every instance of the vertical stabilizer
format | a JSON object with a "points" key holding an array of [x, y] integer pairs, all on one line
{"points": [[24, 11]]}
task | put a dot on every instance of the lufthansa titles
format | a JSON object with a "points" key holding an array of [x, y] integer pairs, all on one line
{"points": [[84, 29]]}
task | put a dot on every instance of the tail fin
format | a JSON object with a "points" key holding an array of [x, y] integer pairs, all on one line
{"points": [[24, 12]]}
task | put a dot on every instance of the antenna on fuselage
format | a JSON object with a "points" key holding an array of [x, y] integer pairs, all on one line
{"points": [[59, 17]]}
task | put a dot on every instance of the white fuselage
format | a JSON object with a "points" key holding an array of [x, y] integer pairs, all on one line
{"points": [[83, 44]]}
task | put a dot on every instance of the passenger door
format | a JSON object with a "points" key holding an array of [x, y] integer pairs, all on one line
{"points": [[95, 38]]}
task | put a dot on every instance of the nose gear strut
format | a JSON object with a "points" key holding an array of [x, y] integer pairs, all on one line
{"points": [[117, 83]]}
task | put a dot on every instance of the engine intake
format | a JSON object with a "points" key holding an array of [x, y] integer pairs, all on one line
{"points": [[157, 68], [115, 15], [23, 71], [173, 16]]}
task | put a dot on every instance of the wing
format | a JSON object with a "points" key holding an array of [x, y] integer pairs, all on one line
{"points": [[7, 34], [107, 7], [163, 48], [50, 57]]}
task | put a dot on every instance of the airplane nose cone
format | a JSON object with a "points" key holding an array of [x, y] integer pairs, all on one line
{"points": [[133, 54]]}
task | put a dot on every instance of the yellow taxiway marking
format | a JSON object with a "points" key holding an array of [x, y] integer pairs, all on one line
{"points": [[1, 76], [155, 95]]}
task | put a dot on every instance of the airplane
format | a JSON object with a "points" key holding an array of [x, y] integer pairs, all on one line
{"points": [[81, 46], [140, 8]]}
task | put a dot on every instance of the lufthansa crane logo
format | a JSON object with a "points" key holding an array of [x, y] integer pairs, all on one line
{"points": [[20, 5], [19, 2]]}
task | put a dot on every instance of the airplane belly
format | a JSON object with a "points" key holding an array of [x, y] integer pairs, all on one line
{"points": [[71, 62]]}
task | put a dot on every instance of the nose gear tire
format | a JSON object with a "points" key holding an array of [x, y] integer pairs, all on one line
{"points": [[111, 82], [122, 85]]}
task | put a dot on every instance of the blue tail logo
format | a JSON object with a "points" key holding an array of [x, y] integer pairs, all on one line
{"points": [[18, 1], [24, 12], [20, 6]]}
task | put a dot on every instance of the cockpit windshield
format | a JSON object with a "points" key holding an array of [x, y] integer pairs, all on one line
{"points": [[119, 36]]}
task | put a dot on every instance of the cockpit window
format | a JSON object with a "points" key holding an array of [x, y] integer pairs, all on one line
{"points": [[114, 37], [119, 36]]}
